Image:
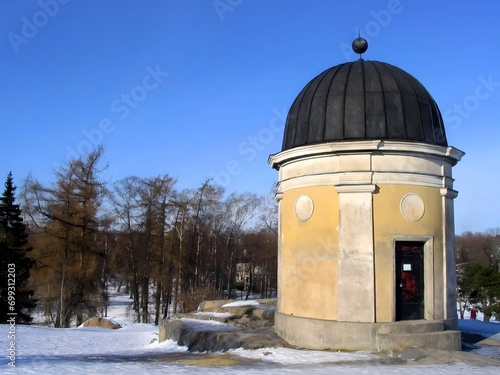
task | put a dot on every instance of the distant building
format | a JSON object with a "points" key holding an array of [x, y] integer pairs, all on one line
{"points": [[366, 223], [242, 276]]}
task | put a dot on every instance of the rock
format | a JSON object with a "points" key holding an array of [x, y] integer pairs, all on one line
{"points": [[213, 305], [209, 339], [264, 313], [247, 325], [237, 311], [268, 302], [412, 354], [101, 322]]}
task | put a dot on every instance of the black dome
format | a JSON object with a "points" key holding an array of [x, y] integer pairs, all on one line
{"points": [[363, 100]]}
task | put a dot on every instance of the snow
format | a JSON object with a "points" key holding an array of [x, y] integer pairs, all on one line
{"points": [[491, 330], [495, 337], [293, 356], [479, 316], [242, 303], [213, 314], [208, 325], [134, 349]]}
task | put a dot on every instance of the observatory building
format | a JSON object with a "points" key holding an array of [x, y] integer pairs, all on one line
{"points": [[366, 223]]}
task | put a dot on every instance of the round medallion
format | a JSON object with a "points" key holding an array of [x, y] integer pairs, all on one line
{"points": [[304, 208], [412, 207]]}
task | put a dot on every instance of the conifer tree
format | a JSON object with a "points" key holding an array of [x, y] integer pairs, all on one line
{"points": [[70, 256], [15, 263]]}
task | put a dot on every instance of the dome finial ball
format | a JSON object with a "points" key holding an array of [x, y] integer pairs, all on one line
{"points": [[359, 45]]}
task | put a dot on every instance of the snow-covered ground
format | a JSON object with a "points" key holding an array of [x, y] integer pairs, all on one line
{"points": [[134, 350]]}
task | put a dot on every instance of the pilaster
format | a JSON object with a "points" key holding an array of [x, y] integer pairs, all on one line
{"points": [[449, 263], [356, 279]]}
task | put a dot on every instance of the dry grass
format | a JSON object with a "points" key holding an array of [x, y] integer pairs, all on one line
{"points": [[216, 360]]}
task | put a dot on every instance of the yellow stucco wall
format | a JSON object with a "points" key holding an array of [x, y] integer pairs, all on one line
{"points": [[309, 249], [308, 273], [389, 223]]}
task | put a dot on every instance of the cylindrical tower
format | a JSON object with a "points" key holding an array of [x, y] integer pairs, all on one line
{"points": [[366, 226]]}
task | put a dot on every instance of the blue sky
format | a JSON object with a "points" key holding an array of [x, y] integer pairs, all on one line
{"points": [[201, 88]]}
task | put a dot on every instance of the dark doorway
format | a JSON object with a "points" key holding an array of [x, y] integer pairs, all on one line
{"points": [[409, 280]]}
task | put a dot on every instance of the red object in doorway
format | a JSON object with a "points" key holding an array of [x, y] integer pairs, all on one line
{"points": [[473, 314]]}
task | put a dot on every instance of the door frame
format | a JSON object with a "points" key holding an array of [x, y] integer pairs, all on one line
{"points": [[428, 264], [415, 264]]}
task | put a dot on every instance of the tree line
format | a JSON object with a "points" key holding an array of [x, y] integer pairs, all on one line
{"points": [[167, 248], [478, 272]]}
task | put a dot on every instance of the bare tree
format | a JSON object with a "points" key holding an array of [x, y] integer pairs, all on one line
{"points": [[68, 213], [240, 209], [143, 207]]}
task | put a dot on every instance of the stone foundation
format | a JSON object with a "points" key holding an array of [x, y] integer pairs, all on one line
{"points": [[332, 335]]}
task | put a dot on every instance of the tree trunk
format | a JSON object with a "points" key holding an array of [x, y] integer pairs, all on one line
{"points": [[61, 311], [167, 299], [79, 316], [157, 301], [180, 236], [145, 299], [176, 293], [461, 309], [135, 295], [168, 289], [120, 285], [250, 283]]}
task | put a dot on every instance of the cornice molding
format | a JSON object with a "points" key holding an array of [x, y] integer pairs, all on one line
{"points": [[451, 154], [334, 180], [356, 188], [449, 193]]}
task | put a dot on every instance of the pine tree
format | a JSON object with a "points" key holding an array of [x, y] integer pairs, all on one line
{"points": [[15, 263]]}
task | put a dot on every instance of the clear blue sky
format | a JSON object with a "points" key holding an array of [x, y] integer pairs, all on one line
{"points": [[200, 88]]}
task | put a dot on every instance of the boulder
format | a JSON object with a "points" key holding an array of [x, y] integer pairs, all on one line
{"points": [[237, 311], [200, 338], [213, 305], [101, 322], [264, 313]]}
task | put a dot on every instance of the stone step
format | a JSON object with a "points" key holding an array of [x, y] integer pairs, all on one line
{"points": [[412, 326], [447, 340]]}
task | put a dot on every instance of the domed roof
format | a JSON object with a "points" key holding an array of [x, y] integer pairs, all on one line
{"points": [[363, 100]]}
